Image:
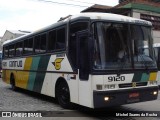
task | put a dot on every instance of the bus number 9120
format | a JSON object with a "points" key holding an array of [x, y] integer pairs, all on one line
{"points": [[116, 78]]}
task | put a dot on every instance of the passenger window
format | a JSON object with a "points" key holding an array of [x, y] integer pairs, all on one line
{"points": [[19, 48], [52, 40], [40, 43], [60, 43], [5, 52], [43, 43], [37, 44], [28, 46], [11, 50]]}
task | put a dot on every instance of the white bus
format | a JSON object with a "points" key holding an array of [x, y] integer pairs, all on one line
{"points": [[156, 47], [91, 59]]}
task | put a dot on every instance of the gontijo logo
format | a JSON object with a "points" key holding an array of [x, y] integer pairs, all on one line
{"points": [[57, 63]]}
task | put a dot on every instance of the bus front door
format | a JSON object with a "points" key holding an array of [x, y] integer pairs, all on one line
{"points": [[83, 54]]}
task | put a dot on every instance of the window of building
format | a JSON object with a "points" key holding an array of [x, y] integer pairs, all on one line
{"points": [[155, 20]]}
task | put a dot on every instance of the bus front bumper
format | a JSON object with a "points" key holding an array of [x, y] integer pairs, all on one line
{"points": [[103, 99]]}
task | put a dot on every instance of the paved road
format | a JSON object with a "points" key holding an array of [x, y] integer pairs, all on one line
{"points": [[22, 100]]}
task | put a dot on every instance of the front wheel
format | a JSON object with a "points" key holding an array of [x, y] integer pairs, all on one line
{"points": [[63, 95]]}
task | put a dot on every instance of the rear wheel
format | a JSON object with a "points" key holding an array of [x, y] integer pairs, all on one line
{"points": [[63, 95], [12, 82]]}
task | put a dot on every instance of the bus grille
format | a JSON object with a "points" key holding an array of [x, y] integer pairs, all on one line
{"points": [[138, 84]]}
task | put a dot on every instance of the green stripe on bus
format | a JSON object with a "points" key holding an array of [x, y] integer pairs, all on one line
{"points": [[43, 64], [137, 77], [32, 75], [145, 77]]}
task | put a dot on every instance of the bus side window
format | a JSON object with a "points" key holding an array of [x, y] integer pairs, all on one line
{"points": [[37, 44], [74, 28], [60, 42], [51, 40], [28, 46], [5, 54], [19, 48], [12, 50], [40, 43], [43, 43]]}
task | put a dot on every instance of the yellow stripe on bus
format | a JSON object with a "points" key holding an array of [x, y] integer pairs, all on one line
{"points": [[24, 75], [153, 76], [28, 63], [7, 76]]}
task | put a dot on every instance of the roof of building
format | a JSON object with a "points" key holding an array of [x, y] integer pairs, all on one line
{"points": [[19, 31], [15, 32], [147, 5], [96, 8], [125, 5]]}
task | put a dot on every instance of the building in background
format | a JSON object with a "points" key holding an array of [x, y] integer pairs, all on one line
{"points": [[120, 1], [97, 8], [143, 9], [11, 34]]}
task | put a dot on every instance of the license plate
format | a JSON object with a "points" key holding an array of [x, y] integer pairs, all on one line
{"points": [[133, 95], [133, 100]]}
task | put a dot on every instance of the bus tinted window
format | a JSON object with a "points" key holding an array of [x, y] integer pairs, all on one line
{"points": [[51, 40], [11, 50], [60, 43], [19, 48], [74, 28], [37, 44], [5, 54], [78, 26], [40, 43], [28, 46], [43, 43]]}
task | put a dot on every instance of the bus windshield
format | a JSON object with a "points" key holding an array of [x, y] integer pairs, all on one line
{"points": [[121, 46]]}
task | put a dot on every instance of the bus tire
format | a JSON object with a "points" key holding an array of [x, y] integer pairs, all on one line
{"points": [[12, 82], [63, 95]]}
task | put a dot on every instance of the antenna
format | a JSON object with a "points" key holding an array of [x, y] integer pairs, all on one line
{"points": [[63, 18]]}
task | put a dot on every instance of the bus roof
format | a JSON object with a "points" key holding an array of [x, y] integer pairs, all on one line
{"points": [[90, 15], [111, 17]]}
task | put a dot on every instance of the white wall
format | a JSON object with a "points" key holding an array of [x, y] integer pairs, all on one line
{"points": [[8, 36]]}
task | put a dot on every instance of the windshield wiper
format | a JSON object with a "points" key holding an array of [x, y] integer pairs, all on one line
{"points": [[123, 63]]}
